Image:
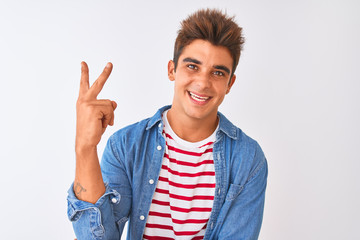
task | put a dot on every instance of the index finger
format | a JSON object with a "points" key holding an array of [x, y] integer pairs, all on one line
{"points": [[99, 83], [84, 80]]}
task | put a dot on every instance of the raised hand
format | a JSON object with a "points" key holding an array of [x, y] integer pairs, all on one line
{"points": [[93, 115]]}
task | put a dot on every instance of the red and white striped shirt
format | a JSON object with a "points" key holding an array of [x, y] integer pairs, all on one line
{"points": [[184, 195]]}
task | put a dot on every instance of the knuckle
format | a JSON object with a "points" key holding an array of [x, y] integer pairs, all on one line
{"points": [[85, 106], [81, 102], [108, 102]]}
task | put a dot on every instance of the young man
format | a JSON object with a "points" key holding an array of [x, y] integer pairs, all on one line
{"points": [[185, 173]]}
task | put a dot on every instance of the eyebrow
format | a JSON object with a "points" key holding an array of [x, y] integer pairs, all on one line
{"points": [[192, 60], [220, 67]]}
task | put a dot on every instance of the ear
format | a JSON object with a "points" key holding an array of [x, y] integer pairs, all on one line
{"points": [[171, 70], [232, 80]]}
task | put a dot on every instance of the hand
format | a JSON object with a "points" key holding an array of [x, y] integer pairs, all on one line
{"points": [[93, 115]]}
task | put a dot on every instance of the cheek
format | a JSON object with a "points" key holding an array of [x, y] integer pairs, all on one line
{"points": [[183, 79], [222, 89]]}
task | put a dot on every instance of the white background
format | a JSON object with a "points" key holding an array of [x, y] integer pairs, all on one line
{"points": [[297, 94]]}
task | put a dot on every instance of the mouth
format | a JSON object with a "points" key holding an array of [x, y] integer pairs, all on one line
{"points": [[198, 98]]}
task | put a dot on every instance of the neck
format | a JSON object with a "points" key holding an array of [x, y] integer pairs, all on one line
{"points": [[192, 129]]}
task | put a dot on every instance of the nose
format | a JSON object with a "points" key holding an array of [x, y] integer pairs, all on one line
{"points": [[203, 81]]}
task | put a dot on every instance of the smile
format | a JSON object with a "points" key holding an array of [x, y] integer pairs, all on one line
{"points": [[197, 97]]}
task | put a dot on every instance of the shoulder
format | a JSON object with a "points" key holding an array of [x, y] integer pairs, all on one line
{"points": [[252, 151], [243, 152], [236, 137], [130, 135], [248, 144], [134, 128]]}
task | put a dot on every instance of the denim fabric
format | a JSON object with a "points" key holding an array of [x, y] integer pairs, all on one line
{"points": [[133, 156]]}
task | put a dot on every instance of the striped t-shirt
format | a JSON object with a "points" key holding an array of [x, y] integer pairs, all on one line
{"points": [[184, 194]]}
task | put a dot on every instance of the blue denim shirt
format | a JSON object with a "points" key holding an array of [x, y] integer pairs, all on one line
{"points": [[133, 156]]}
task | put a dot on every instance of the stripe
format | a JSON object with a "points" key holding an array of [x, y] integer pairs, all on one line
{"points": [[190, 164], [196, 221], [175, 196], [162, 203], [159, 214], [179, 209], [182, 174], [206, 144], [188, 186], [197, 238], [186, 233], [170, 137], [177, 221], [188, 152], [177, 233], [167, 135], [193, 209], [158, 238], [160, 226]]}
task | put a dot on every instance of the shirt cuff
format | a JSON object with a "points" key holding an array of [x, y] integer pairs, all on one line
{"points": [[76, 207]]}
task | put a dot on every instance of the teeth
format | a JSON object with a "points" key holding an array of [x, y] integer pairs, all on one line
{"points": [[198, 98]]}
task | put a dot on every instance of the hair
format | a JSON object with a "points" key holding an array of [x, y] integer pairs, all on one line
{"points": [[214, 26]]}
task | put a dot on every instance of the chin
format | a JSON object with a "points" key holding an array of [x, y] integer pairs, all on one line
{"points": [[198, 114]]}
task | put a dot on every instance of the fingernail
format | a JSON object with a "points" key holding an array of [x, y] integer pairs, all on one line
{"points": [[108, 65]]}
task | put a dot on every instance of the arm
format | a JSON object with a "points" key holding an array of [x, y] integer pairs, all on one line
{"points": [[93, 116], [246, 204], [89, 200]]}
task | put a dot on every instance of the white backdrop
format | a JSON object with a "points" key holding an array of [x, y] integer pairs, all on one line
{"points": [[297, 93]]}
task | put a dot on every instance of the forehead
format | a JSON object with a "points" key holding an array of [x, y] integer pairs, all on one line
{"points": [[207, 53]]}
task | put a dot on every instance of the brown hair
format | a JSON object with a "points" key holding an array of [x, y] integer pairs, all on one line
{"points": [[211, 25]]}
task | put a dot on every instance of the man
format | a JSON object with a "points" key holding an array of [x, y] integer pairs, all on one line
{"points": [[185, 173]]}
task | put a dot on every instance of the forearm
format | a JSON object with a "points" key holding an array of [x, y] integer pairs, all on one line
{"points": [[97, 218], [88, 199], [94, 221], [88, 184]]}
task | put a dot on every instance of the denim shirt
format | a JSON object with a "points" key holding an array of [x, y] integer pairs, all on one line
{"points": [[130, 168]]}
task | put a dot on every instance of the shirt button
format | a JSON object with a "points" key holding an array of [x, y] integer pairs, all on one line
{"points": [[151, 181], [159, 147], [113, 200], [219, 191], [142, 217], [159, 125], [212, 225]]}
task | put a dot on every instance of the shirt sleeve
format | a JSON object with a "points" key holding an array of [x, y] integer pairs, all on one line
{"points": [[245, 204], [106, 218], [91, 220]]}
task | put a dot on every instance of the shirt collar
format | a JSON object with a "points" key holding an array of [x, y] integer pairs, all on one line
{"points": [[227, 127], [157, 117], [224, 124]]}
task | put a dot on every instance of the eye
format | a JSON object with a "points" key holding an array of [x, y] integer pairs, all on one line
{"points": [[192, 66], [219, 73]]}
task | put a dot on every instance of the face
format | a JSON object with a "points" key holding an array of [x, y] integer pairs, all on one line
{"points": [[202, 79]]}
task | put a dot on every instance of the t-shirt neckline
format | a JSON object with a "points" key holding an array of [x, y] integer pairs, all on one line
{"points": [[187, 144]]}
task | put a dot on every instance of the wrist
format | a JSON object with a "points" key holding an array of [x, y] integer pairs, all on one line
{"points": [[85, 149]]}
